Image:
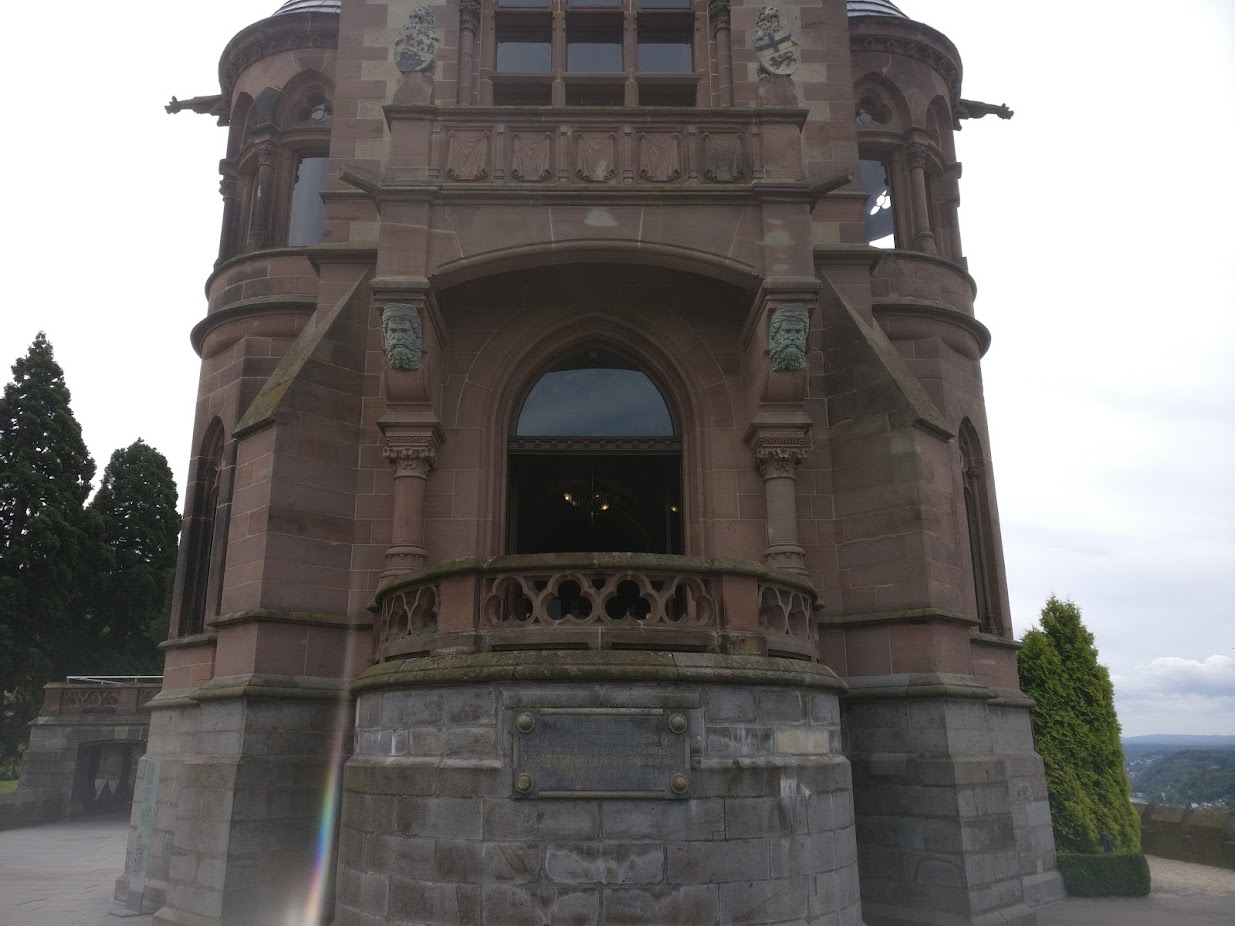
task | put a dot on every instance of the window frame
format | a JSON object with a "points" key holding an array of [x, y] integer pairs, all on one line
{"points": [[559, 84]]}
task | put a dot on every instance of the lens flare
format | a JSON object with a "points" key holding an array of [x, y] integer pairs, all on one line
{"points": [[328, 812]]}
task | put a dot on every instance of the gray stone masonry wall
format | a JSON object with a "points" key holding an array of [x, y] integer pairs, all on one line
{"points": [[1031, 811], [937, 802], [50, 763], [432, 832], [238, 807]]}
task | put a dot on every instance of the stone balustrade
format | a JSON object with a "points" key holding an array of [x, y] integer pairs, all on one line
{"points": [[596, 601], [99, 696], [601, 147]]}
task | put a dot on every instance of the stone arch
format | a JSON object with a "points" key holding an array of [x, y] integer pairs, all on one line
{"points": [[890, 99], [475, 266], [238, 125], [693, 399], [298, 93], [939, 122]]}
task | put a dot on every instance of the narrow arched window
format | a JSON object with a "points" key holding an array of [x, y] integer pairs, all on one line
{"points": [[201, 530], [978, 526], [595, 461]]}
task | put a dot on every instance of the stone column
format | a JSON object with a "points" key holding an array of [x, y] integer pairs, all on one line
{"points": [[469, 28], [227, 189], [259, 223], [923, 237], [413, 456], [777, 463], [718, 13]]}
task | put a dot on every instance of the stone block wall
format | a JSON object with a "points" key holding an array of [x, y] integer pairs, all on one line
{"points": [[432, 830], [936, 805], [244, 767], [1206, 837]]}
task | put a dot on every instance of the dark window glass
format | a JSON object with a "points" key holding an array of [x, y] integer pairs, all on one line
{"points": [[665, 48], [607, 400], [307, 222], [664, 4], [594, 44], [515, 3], [594, 3], [525, 46], [880, 216]]}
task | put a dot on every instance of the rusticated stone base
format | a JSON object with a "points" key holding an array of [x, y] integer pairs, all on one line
{"points": [[434, 831], [949, 804], [244, 763]]}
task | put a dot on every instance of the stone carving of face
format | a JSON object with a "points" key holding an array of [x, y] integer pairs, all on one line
{"points": [[787, 334], [403, 336]]}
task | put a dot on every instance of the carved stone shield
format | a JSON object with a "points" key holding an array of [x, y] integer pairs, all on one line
{"points": [[418, 46], [775, 46]]}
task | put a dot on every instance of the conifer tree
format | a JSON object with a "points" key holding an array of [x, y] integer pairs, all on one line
{"points": [[130, 599], [48, 542], [1077, 733]]}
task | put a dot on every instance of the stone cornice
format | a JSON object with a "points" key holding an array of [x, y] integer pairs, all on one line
{"points": [[923, 685], [888, 35], [288, 32], [936, 311], [600, 666], [302, 618], [247, 308]]}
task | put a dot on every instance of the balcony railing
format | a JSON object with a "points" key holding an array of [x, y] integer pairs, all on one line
{"points": [[100, 694], [596, 601]]}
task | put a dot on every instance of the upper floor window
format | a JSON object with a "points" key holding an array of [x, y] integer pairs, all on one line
{"points": [[594, 53], [878, 211], [307, 219]]}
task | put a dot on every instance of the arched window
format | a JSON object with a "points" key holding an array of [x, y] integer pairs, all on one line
{"points": [[200, 536], [978, 525], [595, 461]]}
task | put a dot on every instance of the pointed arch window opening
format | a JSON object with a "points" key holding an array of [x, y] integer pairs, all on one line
{"points": [[977, 523], [595, 462]]}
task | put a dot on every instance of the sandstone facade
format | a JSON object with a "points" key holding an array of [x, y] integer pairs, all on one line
{"points": [[617, 357]]}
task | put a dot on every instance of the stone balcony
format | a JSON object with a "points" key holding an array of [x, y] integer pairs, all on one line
{"points": [[99, 695], [596, 601], [596, 147]]}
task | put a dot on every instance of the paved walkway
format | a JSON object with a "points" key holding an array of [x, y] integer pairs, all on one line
{"points": [[63, 874]]}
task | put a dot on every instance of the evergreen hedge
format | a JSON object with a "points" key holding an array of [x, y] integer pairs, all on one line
{"points": [[1077, 733], [1123, 874]]}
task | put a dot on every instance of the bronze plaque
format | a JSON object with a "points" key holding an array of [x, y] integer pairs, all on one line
{"points": [[601, 752]]}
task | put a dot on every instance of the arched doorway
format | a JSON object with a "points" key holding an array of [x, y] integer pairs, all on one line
{"points": [[595, 461]]}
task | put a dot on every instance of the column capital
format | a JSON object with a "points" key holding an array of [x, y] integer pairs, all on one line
{"points": [[469, 15], [778, 453], [779, 461], [718, 14], [918, 156], [411, 454]]}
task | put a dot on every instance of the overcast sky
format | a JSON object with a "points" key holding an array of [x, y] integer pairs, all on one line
{"points": [[1098, 223]]}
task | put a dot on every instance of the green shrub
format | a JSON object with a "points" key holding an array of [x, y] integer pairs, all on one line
{"points": [[1077, 733], [1124, 874]]}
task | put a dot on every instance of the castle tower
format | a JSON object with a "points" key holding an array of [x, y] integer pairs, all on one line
{"points": [[592, 454]]}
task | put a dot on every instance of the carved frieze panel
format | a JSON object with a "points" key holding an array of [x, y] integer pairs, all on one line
{"points": [[660, 156], [596, 156], [467, 156], [531, 156], [724, 157]]}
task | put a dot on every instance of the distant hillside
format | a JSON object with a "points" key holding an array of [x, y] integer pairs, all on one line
{"points": [[1182, 770], [1172, 739]]}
